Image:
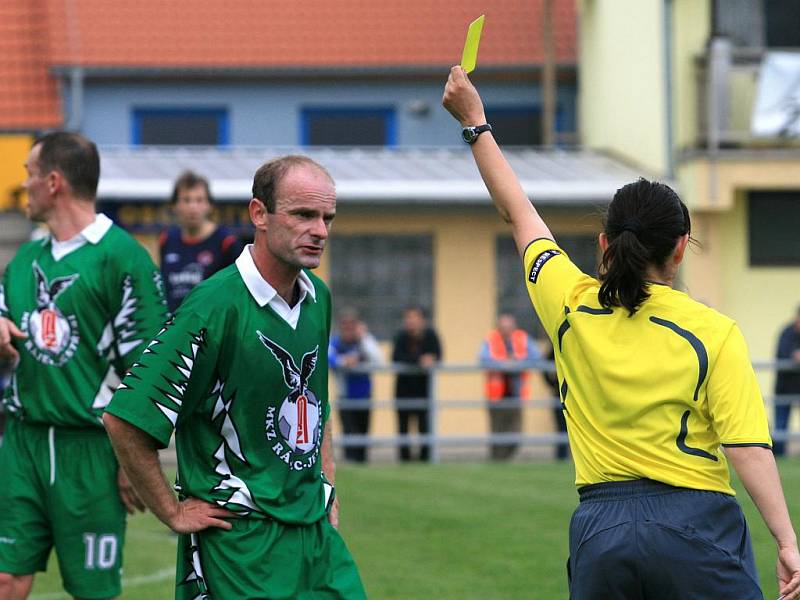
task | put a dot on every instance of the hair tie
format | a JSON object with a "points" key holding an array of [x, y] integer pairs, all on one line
{"points": [[633, 225]]}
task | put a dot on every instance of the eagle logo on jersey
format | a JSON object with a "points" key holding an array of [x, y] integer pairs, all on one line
{"points": [[53, 336], [298, 421]]}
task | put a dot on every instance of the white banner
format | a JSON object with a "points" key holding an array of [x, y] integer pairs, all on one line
{"points": [[777, 109]]}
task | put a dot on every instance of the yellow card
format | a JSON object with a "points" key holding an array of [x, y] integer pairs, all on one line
{"points": [[470, 56]]}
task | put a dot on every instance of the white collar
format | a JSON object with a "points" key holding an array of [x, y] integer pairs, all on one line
{"points": [[92, 233], [260, 289]]}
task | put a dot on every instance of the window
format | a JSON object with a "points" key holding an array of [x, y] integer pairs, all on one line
{"points": [[512, 294], [758, 23], [180, 126], [380, 275], [773, 225], [782, 21], [348, 127], [516, 126]]}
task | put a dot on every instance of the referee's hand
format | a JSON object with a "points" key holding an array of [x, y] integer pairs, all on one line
{"points": [[9, 331], [789, 573], [196, 515]]}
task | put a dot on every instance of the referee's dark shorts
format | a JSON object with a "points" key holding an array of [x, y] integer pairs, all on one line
{"points": [[644, 540]]}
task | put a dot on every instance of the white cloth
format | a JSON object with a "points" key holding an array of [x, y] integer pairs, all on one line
{"points": [[264, 294], [92, 234]]}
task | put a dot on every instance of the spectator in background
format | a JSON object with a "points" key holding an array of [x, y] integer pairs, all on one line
{"points": [[787, 381], [195, 248], [562, 448], [507, 346], [354, 346], [418, 345]]}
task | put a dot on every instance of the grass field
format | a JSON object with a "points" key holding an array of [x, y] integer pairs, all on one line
{"points": [[459, 531]]}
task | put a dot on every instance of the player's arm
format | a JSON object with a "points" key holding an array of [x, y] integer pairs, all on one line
{"points": [[8, 330], [462, 100], [137, 453], [329, 469], [759, 474], [739, 419]]}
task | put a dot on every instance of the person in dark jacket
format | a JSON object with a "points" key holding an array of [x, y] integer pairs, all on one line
{"points": [[415, 344], [196, 247], [787, 382]]}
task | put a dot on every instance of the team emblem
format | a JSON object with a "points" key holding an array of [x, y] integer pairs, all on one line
{"points": [[52, 336], [298, 420]]}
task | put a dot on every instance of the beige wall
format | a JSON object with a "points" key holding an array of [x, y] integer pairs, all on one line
{"points": [[464, 295], [622, 100], [761, 299], [691, 27]]}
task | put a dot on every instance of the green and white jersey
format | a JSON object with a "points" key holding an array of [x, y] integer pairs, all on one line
{"points": [[88, 306], [242, 379]]}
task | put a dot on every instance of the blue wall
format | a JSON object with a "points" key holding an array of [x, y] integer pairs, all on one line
{"points": [[269, 112]]}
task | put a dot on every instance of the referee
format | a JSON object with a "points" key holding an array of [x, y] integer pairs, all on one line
{"points": [[659, 395]]}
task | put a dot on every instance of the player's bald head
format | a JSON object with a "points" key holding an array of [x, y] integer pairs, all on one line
{"points": [[269, 176]]}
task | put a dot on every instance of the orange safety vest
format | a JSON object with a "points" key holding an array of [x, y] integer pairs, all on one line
{"points": [[496, 381]]}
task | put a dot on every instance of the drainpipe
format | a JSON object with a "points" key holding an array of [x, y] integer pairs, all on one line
{"points": [[75, 77], [668, 89]]}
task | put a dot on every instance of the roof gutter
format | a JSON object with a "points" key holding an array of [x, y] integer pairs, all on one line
{"points": [[374, 192], [301, 72]]}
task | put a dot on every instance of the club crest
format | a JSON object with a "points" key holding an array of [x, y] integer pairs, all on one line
{"points": [[295, 428], [52, 336]]}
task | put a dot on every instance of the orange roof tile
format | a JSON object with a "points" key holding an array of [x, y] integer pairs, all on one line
{"points": [[36, 35], [29, 97], [322, 33]]}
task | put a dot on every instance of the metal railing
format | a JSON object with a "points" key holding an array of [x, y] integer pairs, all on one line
{"points": [[435, 405]]}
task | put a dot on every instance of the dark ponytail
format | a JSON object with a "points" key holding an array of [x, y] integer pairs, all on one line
{"points": [[642, 224]]}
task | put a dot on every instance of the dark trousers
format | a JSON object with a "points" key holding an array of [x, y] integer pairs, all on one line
{"points": [[644, 540], [782, 412], [355, 422], [404, 418], [505, 416]]}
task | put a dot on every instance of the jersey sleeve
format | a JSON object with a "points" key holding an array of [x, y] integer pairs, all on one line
{"points": [[137, 305], [549, 275], [172, 375], [734, 397]]}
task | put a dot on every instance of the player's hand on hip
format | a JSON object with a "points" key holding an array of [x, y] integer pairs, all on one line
{"points": [[8, 332], [462, 100], [789, 573], [128, 495], [195, 515]]}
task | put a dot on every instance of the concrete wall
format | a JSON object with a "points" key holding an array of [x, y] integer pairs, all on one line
{"points": [[622, 103], [268, 113]]}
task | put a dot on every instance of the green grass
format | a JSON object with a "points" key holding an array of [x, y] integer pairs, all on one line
{"points": [[460, 531]]}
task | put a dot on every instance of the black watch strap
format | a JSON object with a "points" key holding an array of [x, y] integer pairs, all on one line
{"points": [[470, 134]]}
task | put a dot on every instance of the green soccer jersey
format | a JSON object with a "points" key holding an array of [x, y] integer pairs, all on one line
{"points": [[245, 388], [87, 307]]}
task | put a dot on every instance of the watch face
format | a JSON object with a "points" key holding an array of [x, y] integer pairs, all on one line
{"points": [[468, 133]]}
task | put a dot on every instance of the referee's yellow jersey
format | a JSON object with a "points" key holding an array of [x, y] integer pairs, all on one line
{"points": [[654, 395]]}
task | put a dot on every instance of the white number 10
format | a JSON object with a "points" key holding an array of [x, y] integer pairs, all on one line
{"points": [[101, 552]]}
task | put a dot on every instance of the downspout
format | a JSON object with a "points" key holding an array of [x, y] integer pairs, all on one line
{"points": [[668, 89], [75, 122], [76, 73]]}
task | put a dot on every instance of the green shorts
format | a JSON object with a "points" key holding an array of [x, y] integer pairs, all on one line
{"points": [[260, 559], [59, 488]]}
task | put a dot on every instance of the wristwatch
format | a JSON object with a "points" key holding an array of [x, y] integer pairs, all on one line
{"points": [[470, 134]]}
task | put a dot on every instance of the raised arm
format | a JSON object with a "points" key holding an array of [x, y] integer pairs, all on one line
{"points": [[138, 455], [462, 100], [759, 474]]}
